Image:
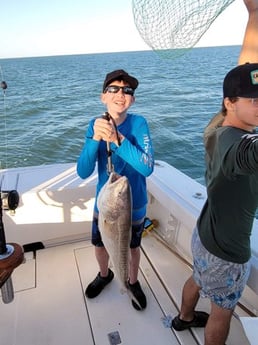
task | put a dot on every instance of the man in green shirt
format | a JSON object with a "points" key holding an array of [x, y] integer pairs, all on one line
{"points": [[221, 241]]}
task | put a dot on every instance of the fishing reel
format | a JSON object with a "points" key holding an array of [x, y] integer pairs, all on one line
{"points": [[3, 85], [10, 200], [106, 116]]}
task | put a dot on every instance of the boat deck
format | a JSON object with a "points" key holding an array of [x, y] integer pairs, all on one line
{"points": [[49, 307]]}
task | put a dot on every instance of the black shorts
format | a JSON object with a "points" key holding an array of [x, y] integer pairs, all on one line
{"points": [[137, 230]]}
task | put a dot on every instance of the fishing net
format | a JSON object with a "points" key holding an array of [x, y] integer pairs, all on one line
{"points": [[171, 27]]}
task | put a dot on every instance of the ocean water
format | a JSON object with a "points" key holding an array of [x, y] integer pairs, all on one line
{"points": [[49, 101]]}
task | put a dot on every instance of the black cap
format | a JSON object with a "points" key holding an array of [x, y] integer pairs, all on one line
{"points": [[120, 74], [242, 81]]}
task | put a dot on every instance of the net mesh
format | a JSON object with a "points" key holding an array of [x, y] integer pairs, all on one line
{"points": [[171, 27]]}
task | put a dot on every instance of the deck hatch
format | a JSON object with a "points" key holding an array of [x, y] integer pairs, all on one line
{"points": [[114, 338]]}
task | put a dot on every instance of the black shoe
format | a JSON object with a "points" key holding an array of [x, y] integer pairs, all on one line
{"points": [[98, 284], [139, 296], [200, 319]]}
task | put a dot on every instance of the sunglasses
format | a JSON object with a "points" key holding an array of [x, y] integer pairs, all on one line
{"points": [[127, 90]]}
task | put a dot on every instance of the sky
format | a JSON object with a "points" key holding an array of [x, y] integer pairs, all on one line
{"points": [[63, 27]]}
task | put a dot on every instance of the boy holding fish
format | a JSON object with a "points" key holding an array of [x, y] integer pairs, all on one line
{"points": [[119, 142]]}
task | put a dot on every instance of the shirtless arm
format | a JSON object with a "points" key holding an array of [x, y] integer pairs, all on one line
{"points": [[249, 51]]}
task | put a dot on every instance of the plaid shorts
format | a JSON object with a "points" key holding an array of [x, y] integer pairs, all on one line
{"points": [[221, 281]]}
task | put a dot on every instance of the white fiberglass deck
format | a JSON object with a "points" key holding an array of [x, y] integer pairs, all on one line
{"points": [[49, 306]]}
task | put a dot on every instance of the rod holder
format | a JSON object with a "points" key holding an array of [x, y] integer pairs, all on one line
{"points": [[7, 291], [12, 258]]}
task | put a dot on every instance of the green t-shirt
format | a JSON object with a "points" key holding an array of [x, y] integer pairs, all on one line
{"points": [[226, 220]]}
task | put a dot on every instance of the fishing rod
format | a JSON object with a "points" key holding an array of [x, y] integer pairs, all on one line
{"points": [[11, 255], [110, 167]]}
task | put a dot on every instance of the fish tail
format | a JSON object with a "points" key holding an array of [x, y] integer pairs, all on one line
{"points": [[131, 296]]}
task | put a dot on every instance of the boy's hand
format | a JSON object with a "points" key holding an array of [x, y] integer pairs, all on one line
{"points": [[104, 130]]}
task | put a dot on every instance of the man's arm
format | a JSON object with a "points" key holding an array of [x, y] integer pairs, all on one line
{"points": [[249, 51]]}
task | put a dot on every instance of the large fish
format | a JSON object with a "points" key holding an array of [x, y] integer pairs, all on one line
{"points": [[115, 222]]}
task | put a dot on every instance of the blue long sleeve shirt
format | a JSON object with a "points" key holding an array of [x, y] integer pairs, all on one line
{"points": [[133, 158]]}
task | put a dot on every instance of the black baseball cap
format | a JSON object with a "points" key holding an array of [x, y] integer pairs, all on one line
{"points": [[242, 81], [120, 74]]}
